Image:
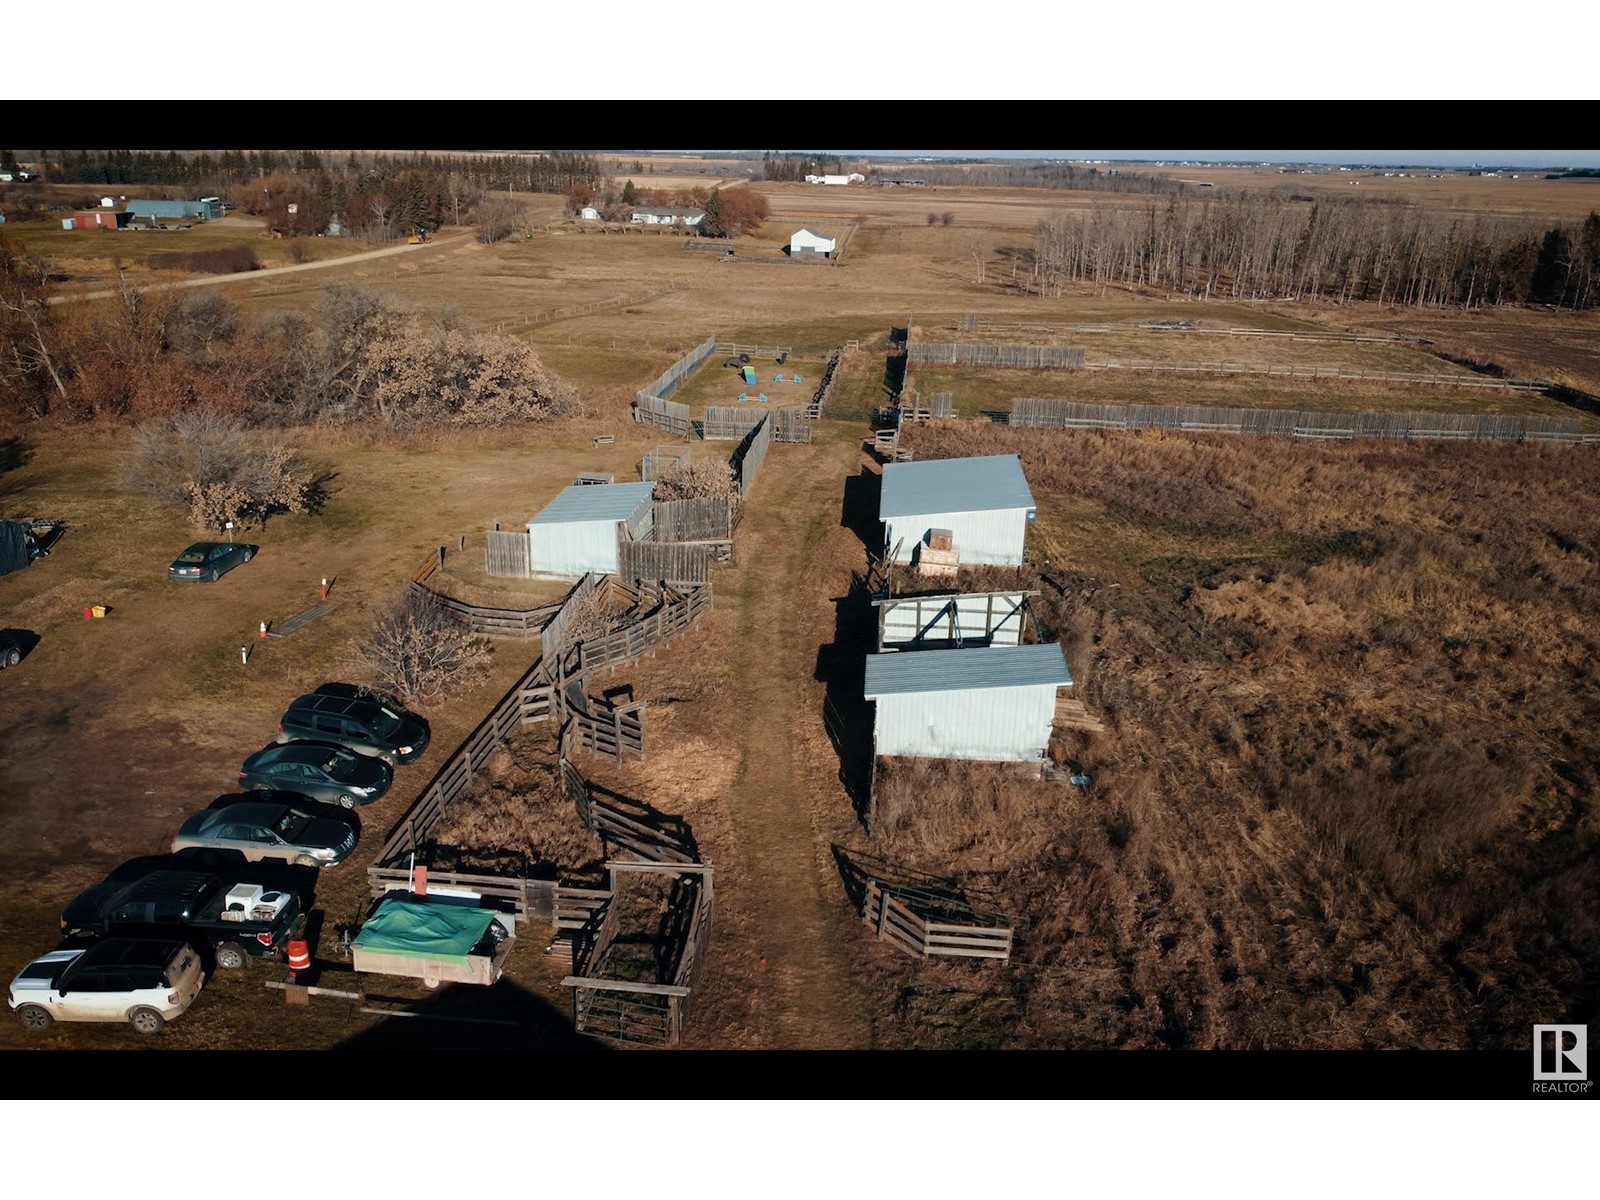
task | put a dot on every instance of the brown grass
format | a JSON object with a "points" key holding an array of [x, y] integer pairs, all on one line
{"points": [[1343, 800]]}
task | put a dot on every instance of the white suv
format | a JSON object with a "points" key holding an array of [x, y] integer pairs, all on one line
{"points": [[145, 983]]}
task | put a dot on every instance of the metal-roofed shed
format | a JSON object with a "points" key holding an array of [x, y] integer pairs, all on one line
{"points": [[994, 704], [578, 530], [984, 503]]}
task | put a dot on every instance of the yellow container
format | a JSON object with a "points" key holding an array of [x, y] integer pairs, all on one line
{"points": [[98, 610]]}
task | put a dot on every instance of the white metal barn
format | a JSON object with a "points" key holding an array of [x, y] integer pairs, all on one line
{"points": [[578, 530], [809, 241], [994, 704], [589, 213], [984, 503]]}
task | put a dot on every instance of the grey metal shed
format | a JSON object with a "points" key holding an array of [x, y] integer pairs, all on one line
{"points": [[994, 704], [578, 530], [984, 503]]}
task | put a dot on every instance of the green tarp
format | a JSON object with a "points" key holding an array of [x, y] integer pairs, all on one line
{"points": [[418, 929]]}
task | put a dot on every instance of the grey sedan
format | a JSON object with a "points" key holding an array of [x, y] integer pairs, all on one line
{"points": [[331, 774], [206, 562], [261, 831]]}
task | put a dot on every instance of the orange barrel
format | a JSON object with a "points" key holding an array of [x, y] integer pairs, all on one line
{"points": [[299, 957]]}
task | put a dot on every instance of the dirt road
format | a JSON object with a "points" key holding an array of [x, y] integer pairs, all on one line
{"points": [[791, 906], [459, 241]]}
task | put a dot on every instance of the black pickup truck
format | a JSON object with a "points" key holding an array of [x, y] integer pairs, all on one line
{"points": [[239, 921]]}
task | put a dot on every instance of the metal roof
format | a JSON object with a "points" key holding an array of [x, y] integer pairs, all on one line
{"points": [[911, 671], [950, 485], [595, 502], [807, 229]]}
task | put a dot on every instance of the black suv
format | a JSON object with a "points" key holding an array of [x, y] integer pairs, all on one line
{"points": [[364, 724], [239, 921]]}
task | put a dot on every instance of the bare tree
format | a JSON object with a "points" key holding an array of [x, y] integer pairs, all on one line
{"points": [[417, 652]]}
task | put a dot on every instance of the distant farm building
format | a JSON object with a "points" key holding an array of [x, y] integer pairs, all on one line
{"points": [[983, 503], [808, 241], [97, 218], [836, 180], [207, 209], [578, 530], [687, 217], [589, 213], [993, 704]]}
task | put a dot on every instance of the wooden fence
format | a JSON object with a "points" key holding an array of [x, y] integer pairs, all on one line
{"points": [[830, 376], [669, 380], [506, 553], [792, 426], [673, 562], [663, 414], [1067, 414], [752, 452], [663, 460], [705, 519], [552, 637], [679, 610], [610, 731], [725, 423], [494, 622], [1324, 373], [891, 913], [772, 352], [974, 354]]}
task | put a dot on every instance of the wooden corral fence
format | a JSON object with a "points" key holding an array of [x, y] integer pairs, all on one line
{"points": [[752, 452], [673, 562], [645, 835], [678, 610], [978, 354], [1336, 374], [964, 933], [772, 352], [972, 322], [1067, 414], [791, 426], [506, 553], [633, 1012], [663, 460], [480, 618], [669, 380], [663, 414], [609, 730], [704, 519], [725, 423], [830, 376], [536, 698]]}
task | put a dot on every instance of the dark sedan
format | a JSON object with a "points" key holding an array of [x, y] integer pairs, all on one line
{"points": [[206, 562], [260, 831], [323, 772]]}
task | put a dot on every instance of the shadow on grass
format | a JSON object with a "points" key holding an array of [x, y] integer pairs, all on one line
{"points": [[499, 1018]]}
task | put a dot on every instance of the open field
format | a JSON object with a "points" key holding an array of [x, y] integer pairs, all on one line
{"points": [[1350, 688]]}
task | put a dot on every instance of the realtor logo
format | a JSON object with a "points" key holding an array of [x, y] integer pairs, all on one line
{"points": [[1561, 1053]]}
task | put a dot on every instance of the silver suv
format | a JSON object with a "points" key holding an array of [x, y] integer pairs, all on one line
{"points": [[146, 983]]}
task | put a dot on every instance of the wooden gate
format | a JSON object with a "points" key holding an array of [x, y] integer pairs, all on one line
{"points": [[506, 553]]}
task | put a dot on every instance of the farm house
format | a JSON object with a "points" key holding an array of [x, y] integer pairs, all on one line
{"points": [[984, 504], [809, 241], [578, 530], [993, 704], [690, 217]]}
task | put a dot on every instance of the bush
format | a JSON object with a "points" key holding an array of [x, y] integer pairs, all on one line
{"points": [[417, 652], [219, 468]]}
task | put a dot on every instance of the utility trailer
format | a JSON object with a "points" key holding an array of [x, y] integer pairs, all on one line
{"points": [[439, 937]]}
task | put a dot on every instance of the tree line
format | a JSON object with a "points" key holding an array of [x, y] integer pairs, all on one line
{"points": [[378, 196], [1260, 245]]}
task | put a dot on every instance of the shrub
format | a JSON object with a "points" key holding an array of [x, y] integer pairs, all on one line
{"points": [[219, 468], [418, 653]]}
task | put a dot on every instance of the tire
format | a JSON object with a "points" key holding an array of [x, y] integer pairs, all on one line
{"points": [[248, 555], [213, 576], [35, 1017], [146, 1020], [261, 787], [12, 658], [305, 860], [231, 956], [346, 800]]}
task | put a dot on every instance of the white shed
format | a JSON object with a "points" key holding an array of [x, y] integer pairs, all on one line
{"points": [[578, 530], [589, 213], [836, 180], [809, 241], [994, 704], [983, 502]]}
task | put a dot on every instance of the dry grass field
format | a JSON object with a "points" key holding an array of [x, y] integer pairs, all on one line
{"points": [[1345, 797]]}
